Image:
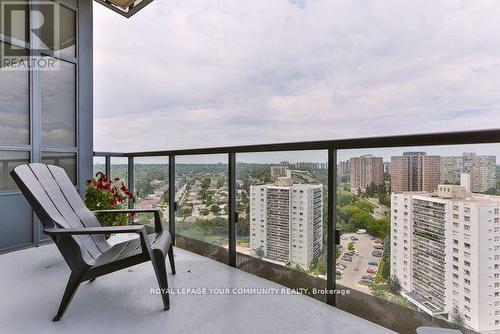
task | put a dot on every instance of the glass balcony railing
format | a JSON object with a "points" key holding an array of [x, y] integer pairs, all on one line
{"points": [[281, 200], [201, 195], [402, 231]]}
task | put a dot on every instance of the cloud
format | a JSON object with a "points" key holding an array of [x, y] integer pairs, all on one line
{"points": [[197, 74]]}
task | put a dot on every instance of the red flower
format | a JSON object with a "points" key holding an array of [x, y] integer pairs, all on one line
{"points": [[89, 181]]}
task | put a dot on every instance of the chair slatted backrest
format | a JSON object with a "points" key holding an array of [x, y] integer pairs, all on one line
{"points": [[56, 202]]}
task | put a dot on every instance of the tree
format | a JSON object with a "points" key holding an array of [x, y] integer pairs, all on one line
{"points": [[215, 209], [164, 197], [456, 317], [386, 257], [365, 206], [186, 211], [220, 182], [350, 246], [205, 183], [394, 285], [344, 198]]}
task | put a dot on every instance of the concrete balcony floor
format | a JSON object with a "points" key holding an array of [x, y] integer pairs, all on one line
{"points": [[33, 280]]}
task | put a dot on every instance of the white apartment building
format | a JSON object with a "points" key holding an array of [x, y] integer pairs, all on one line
{"points": [[286, 222], [445, 251]]}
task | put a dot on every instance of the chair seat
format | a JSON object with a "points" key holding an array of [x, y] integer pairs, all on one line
{"points": [[159, 241]]}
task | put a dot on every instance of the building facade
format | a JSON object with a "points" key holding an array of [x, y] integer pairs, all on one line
{"points": [[445, 251], [343, 168], [286, 223], [46, 112], [481, 168], [366, 170], [279, 171], [415, 171]]}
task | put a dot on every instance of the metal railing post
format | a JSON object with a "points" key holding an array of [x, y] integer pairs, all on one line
{"points": [[131, 183], [232, 208], [107, 166], [171, 196], [331, 254]]}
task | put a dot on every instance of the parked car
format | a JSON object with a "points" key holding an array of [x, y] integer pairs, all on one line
{"points": [[378, 246], [377, 253], [369, 277], [341, 265], [339, 272], [365, 280], [377, 241], [349, 253], [373, 263], [347, 258], [353, 238], [361, 231], [371, 271], [344, 237]]}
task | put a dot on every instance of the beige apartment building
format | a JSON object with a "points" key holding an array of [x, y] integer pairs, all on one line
{"points": [[481, 168], [279, 171]]}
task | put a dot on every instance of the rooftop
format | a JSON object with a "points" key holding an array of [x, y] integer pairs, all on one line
{"points": [[122, 302]]}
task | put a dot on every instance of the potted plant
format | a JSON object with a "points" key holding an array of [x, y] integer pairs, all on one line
{"points": [[102, 193]]}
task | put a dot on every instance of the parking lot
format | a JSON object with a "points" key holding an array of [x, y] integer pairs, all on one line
{"points": [[357, 268]]}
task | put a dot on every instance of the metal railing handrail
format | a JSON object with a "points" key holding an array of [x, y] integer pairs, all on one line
{"points": [[428, 139]]}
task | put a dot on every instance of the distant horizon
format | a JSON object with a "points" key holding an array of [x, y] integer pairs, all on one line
{"points": [[320, 156], [298, 156]]}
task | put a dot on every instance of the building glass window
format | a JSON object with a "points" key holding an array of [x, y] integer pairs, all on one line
{"points": [[16, 20], [67, 161], [59, 105], [8, 161], [64, 40], [14, 103]]}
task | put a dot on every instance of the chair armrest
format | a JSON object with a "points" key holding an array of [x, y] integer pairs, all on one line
{"points": [[139, 229], [95, 230], [158, 227]]}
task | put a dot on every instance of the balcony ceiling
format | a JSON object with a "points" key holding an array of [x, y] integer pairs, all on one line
{"points": [[33, 281], [126, 8]]}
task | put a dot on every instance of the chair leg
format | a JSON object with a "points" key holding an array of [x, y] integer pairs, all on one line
{"points": [[71, 287], [171, 259], [158, 261]]}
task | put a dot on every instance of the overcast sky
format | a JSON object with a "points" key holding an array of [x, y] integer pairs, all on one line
{"points": [[202, 73]]}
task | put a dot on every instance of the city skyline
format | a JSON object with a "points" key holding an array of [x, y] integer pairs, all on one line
{"points": [[321, 156]]}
